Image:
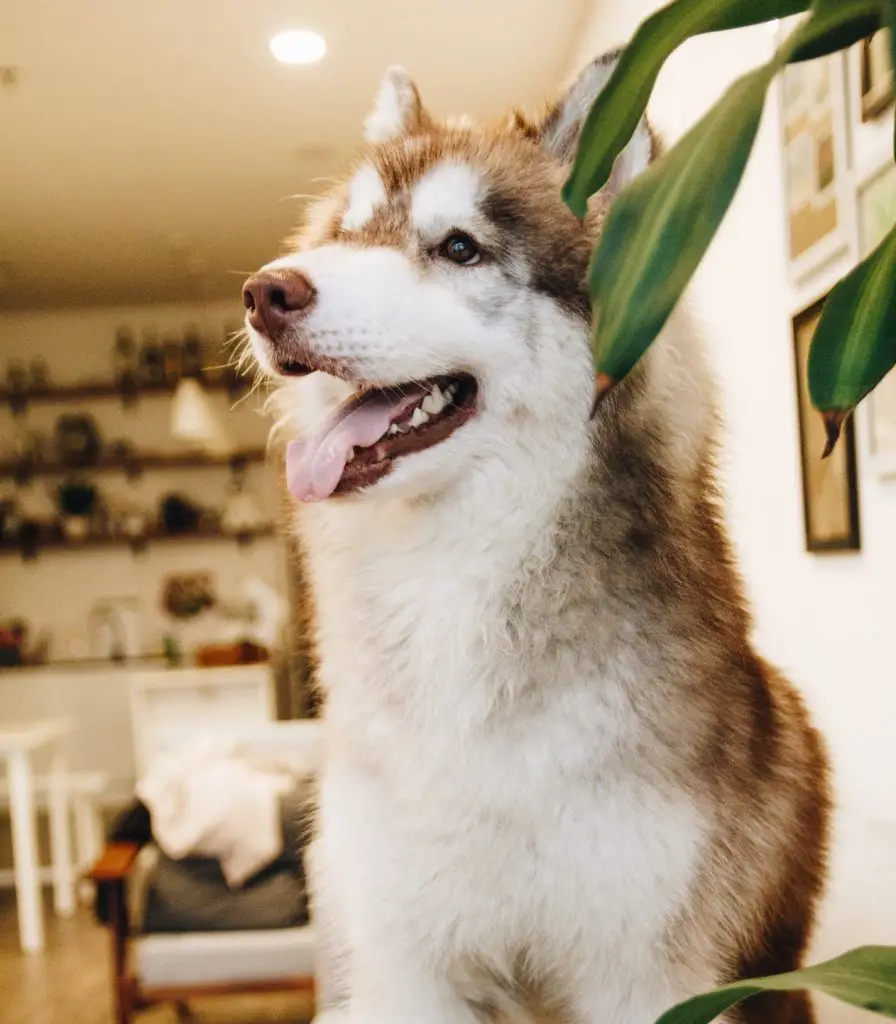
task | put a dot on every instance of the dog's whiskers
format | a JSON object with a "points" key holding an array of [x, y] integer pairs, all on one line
{"points": [[298, 195]]}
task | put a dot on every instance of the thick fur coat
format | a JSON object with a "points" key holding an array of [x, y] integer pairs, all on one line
{"points": [[559, 782]]}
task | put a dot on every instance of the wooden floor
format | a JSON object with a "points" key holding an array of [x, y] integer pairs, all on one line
{"points": [[69, 982]]}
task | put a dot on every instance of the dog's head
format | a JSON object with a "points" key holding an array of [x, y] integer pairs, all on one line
{"points": [[441, 294]]}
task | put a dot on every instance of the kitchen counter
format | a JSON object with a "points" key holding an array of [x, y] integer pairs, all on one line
{"points": [[148, 661]]}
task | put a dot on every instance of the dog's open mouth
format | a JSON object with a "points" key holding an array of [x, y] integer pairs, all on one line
{"points": [[359, 443]]}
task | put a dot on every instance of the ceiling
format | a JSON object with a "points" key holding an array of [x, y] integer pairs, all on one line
{"points": [[150, 149]]}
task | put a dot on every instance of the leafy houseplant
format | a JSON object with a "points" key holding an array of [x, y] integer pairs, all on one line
{"points": [[654, 239], [662, 224], [864, 977]]}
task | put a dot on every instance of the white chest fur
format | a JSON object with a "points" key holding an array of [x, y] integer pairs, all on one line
{"points": [[471, 813]]}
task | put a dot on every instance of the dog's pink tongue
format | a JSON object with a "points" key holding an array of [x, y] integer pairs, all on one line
{"points": [[314, 467]]}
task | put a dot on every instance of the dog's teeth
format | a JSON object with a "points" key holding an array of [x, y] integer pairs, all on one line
{"points": [[434, 402], [351, 454], [393, 429], [449, 393], [419, 418]]}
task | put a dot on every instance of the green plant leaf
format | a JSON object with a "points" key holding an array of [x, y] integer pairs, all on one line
{"points": [[864, 977], [661, 225], [854, 345], [834, 25], [659, 228], [613, 118]]}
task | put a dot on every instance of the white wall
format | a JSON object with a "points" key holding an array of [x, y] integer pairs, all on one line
{"points": [[58, 590], [828, 620]]}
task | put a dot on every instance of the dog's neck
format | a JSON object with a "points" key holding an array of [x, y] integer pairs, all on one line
{"points": [[489, 521], [593, 542]]}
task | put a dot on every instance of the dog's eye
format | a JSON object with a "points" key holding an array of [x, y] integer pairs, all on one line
{"points": [[460, 248]]}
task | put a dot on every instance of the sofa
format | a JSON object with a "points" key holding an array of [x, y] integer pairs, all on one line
{"points": [[178, 931]]}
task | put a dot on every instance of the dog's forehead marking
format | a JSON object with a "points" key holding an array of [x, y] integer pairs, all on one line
{"points": [[366, 192], [446, 196]]}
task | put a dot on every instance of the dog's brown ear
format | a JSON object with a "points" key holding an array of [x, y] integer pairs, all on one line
{"points": [[398, 109], [563, 122]]}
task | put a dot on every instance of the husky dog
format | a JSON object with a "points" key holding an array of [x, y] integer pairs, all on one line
{"points": [[559, 782]]}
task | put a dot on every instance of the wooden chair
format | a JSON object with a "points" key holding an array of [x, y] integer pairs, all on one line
{"points": [[175, 967]]}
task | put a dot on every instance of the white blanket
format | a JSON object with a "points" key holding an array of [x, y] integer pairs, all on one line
{"points": [[208, 800]]}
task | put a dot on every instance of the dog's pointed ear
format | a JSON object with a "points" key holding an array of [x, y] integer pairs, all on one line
{"points": [[562, 125], [398, 109]]}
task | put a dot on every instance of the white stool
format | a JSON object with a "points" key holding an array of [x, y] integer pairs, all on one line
{"points": [[85, 791], [19, 743]]}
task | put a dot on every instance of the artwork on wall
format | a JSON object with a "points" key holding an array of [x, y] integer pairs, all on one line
{"points": [[877, 206], [877, 75], [876, 216], [830, 490], [813, 120]]}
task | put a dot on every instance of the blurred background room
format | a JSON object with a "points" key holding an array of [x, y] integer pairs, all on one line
{"points": [[152, 618]]}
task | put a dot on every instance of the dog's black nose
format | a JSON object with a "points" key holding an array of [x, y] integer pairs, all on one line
{"points": [[275, 299]]}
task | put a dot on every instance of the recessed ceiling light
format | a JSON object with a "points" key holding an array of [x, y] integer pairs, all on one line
{"points": [[298, 47]]}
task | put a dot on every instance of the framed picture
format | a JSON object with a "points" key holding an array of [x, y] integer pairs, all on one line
{"points": [[876, 83], [830, 489], [814, 143], [876, 216]]}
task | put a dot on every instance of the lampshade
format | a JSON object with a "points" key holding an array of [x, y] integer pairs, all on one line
{"points": [[195, 420]]}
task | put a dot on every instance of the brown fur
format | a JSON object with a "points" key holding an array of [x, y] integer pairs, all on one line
{"points": [[758, 759]]}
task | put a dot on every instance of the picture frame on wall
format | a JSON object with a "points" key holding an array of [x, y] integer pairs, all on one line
{"points": [[830, 486], [876, 215], [876, 77], [814, 140]]}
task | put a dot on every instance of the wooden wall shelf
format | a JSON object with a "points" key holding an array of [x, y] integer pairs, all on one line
{"points": [[132, 465], [83, 392], [52, 539]]}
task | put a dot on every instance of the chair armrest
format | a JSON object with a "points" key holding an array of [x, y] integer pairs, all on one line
{"points": [[115, 863], [110, 873]]}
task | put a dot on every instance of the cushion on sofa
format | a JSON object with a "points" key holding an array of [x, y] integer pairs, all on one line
{"points": [[192, 895]]}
